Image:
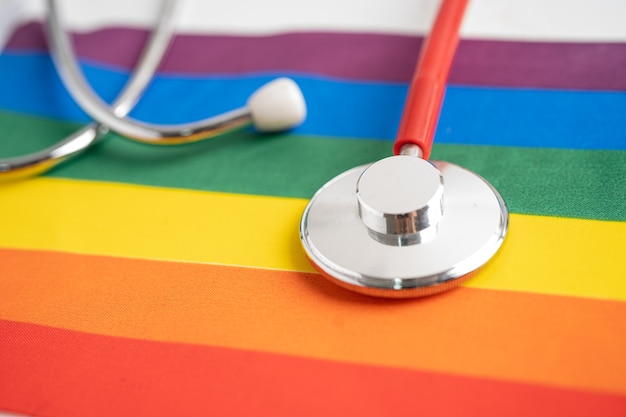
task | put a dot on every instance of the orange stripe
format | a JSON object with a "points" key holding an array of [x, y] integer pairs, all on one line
{"points": [[569, 342]]}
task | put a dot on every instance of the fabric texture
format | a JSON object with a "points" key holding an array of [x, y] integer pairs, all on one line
{"points": [[158, 281]]}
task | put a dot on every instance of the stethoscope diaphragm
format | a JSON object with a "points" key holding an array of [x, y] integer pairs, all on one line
{"points": [[403, 227]]}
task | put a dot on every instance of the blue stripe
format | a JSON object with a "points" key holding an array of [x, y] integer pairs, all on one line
{"points": [[471, 115]]}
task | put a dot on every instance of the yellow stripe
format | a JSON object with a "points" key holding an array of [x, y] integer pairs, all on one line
{"points": [[542, 254], [151, 223]]}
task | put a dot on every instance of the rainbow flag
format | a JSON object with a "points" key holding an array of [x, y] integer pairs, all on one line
{"points": [[148, 281]]}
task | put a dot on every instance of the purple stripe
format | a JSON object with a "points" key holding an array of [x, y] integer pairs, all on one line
{"points": [[376, 57]]}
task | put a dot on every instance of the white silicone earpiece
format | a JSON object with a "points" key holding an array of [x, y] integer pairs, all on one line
{"points": [[276, 106]]}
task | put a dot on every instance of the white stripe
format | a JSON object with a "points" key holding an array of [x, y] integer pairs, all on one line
{"points": [[565, 20], [11, 14]]}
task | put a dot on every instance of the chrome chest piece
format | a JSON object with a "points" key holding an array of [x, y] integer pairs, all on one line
{"points": [[403, 227]]}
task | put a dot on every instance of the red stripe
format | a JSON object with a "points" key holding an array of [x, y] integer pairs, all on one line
{"points": [[54, 372]]}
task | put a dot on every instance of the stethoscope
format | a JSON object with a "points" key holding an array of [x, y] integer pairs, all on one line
{"points": [[406, 226], [401, 227], [276, 106]]}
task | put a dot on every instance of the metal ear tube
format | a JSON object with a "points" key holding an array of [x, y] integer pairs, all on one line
{"points": [[278, 105]]}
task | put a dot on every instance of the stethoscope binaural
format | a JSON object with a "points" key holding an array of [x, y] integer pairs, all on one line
{"points": [[406, 226], [278, 105]]}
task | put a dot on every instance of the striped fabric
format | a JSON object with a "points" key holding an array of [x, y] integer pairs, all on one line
{"points": [[148, 281]]}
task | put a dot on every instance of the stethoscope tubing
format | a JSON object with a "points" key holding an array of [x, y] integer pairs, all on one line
{"points": [[427, 88], [67, 66], [275, 106], [39, 162]]}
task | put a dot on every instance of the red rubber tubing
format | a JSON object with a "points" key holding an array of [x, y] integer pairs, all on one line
{"points": [[423, 103]]}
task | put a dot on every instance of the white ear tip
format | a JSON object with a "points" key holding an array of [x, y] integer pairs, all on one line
{"points": [[277, 105]]}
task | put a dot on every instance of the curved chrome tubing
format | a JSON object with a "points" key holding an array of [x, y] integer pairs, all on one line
{"points": [[46, 159], [276, 106], [69, 70]]}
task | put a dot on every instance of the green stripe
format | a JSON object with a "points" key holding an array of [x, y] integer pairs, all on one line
{"points": [[554, 182]]}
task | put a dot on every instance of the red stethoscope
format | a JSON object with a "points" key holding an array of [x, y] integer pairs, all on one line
{"points": [[406, 226]]}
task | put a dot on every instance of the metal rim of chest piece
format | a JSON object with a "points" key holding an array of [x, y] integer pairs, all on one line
{"points": [[403, 227]]}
